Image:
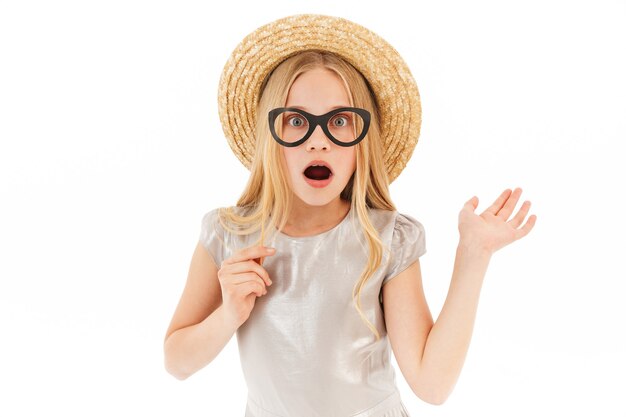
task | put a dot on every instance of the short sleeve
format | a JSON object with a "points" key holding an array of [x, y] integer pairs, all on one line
{"points": [[407, 245], [212, 236]]}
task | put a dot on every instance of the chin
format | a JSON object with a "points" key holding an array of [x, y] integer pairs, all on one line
{"points": [[314, 197], [317, 201]]}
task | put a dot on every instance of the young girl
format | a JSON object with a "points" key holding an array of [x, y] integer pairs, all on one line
{"points": [[314, 267]]}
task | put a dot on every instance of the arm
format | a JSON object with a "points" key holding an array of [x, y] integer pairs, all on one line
{"points": [[449, 338], [198, 331], [429, 355]]}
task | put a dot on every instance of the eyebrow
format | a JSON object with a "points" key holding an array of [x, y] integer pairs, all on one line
{"points": [[305, 108]]}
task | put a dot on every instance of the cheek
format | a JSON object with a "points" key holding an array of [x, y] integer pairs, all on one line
{"points": [[350, 158], [291, 161]]}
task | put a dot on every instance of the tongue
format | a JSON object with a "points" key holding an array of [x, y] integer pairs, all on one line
{"points": [[317, 173]]}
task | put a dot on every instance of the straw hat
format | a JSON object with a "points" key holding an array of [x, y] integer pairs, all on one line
{"points": [[266, 47]]}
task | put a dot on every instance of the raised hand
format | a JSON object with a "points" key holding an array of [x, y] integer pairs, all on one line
{"points": [[492, 229]]}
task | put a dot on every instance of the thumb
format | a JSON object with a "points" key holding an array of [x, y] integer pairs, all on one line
{"points": [[472, 203]]}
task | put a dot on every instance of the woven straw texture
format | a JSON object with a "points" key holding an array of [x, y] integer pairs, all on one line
{"points": [[262, 50]]}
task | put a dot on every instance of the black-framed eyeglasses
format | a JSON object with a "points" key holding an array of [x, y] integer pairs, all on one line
{"points": [[345, 126]]}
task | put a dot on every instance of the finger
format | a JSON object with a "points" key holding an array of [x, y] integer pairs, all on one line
{"points": [[245, 277], [509, 206], [259, 289], [249, 266], [497, 205], [530, 223], [471, 204], [249, 253], [521, 214], [250, 287]]}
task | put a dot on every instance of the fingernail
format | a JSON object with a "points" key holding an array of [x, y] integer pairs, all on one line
{"points": [[270, 250]]}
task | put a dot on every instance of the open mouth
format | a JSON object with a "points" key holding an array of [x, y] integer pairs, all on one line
{"points": [[317, 173]]}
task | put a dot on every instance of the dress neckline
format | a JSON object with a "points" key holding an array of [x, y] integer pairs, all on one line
{"points": [[318, 235]]}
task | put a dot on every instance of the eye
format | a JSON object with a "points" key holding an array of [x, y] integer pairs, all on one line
{"points": [[296, 121], [340, 120]]}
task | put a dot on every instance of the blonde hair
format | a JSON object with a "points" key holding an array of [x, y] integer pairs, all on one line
{"points": [[267, 193]]}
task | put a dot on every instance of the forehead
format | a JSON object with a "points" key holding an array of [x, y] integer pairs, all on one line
{"points": [[319, 87]]}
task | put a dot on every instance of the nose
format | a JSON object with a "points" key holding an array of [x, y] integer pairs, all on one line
{"points": [[317, 140]]}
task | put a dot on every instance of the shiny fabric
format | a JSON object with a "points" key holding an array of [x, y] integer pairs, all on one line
{"points": [[304, 350]]}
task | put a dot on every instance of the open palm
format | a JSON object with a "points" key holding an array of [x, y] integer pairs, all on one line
{"points": [[491, 230]]}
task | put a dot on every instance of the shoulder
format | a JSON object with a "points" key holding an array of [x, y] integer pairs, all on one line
{"points": [[382, 219], [220, 233], [211, 220], [211, 215], [394, 223], [219, 216], [405, 223]]}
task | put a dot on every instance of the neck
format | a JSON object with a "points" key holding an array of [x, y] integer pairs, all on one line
{"points": [[306, 219]]}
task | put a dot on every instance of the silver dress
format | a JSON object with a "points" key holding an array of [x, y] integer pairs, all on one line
{"points": [[305, 351]]}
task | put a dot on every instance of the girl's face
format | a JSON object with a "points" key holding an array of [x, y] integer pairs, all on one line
{"points": [[319, 91]]}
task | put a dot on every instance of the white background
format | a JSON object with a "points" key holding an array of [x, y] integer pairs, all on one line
{"points": [[112, 150]]}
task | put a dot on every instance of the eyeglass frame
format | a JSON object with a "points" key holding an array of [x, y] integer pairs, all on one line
{"points": [[322, 121]]}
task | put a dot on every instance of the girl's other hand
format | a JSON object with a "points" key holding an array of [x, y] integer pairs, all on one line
{"points": [[491, 230], [242, 280]]}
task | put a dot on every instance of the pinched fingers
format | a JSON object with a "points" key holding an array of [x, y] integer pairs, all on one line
{"points": [[250, 282], [247, 266], [252, 252]]}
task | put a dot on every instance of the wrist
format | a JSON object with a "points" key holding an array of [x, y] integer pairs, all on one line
{"points": [[227, 322], [473, 248]]}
